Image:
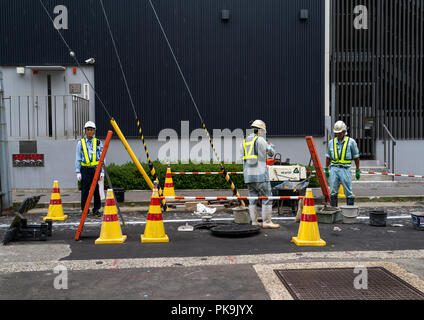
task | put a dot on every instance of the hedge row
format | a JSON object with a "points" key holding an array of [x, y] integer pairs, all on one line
{"points": [[128, 177]]}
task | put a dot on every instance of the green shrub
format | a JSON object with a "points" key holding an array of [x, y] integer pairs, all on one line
{"points": [[128, 177]]}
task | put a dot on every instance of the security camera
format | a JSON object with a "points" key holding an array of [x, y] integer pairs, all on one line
{"points": [[90, 61]]}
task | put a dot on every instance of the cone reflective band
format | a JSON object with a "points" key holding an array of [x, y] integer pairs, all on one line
{"points": [[169, 191], [308, 230], [55, 212], [154, 230], [111, 229]]}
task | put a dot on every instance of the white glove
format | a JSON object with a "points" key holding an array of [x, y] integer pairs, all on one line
{"points": [[102, 175], [79, 176]]}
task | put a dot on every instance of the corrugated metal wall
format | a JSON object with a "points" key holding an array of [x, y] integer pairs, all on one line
{"points": [[377, 73], [263, 63]]}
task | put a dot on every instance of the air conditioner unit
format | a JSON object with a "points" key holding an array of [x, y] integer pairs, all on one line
{"points": [[20, 70]]}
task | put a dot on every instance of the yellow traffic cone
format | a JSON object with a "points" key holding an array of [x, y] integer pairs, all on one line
{"points": [[341, 193], [169, 191], [154, 230], [55, 212], [308, 230], [111, 230]]}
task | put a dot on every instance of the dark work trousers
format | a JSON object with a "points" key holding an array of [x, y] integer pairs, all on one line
{"points": [[87, 175]]}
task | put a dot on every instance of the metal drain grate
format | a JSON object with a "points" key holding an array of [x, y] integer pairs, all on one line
{"points": [[338, 284]]}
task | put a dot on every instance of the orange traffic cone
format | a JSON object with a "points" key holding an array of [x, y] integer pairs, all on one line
{"points": [[169, 191], [111, 230], [55, 212], [308, 230], [154, 231]]}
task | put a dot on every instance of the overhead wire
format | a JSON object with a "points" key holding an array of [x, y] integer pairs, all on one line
{"points": [[150, 163], [227, 176], [73, 55]]}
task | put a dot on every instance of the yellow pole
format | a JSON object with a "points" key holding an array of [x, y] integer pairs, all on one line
{"points": [[131, 153]]}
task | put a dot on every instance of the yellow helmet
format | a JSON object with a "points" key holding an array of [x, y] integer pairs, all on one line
{"points": [[259, 124]]}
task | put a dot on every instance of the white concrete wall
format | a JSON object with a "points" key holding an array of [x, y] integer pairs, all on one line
{"points": [[29, 121], [59, 158]]}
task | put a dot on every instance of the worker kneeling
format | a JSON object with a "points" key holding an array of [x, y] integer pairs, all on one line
{"points": [[255, 149]]}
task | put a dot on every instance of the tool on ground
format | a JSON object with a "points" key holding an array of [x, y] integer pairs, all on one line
{"points": [[55, 212], [111, 230], [21, 230]]}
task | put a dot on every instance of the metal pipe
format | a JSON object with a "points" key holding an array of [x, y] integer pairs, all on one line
{"points": [[131, 153]]}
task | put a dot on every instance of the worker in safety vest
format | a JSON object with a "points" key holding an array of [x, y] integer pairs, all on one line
{"points": [[254, 150], [341, 151], [88, 152]]}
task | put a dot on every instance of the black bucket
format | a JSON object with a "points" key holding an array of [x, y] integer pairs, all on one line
{"points": [[119, 194], [378, 218]]}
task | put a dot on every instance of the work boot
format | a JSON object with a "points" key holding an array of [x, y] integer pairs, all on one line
{"points": [[96, 214], [253, 211], [334, 201], [350, 201], [266, 217]]}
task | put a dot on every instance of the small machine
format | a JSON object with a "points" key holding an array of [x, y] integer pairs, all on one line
{"points": [[287, 181]]}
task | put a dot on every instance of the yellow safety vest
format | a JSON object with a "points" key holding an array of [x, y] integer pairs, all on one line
{"points": [[341, 160], [87, 162], [251, 145]]}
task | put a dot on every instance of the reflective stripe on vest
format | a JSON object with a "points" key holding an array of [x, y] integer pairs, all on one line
{"points": [[87, 162], [251, 145], [341, 160]]}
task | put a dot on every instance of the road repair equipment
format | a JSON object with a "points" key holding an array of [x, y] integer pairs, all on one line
{"points": [[93, 185], [168, 190], [55, 212], [154, 230], [111, 230], [308, 234], [20, 230]]}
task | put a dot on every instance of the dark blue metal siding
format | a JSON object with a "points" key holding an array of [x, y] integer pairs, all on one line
{"points": [[264, 63]]}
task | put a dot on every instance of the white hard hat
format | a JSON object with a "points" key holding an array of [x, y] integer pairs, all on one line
{"points": [[90, 124], [340, 126], [259, 124]]}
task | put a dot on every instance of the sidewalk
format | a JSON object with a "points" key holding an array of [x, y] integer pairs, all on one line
{"points": [[384, 191]]}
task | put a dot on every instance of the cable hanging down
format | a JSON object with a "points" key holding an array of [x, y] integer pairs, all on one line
{"points": [[224, 171], [140, 131]]}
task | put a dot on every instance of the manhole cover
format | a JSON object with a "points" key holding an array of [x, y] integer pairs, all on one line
{"points": [[339, 284], [235, 230]]}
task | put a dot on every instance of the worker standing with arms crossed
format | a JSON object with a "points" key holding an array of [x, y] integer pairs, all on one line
{"points": [[88, 152], [341, 151], [254, 150]]}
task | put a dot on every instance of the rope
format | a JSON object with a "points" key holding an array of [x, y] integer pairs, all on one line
{"points": [[227, 177]]}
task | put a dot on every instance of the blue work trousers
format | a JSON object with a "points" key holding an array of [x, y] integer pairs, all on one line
{"points": [[341, 175]]}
